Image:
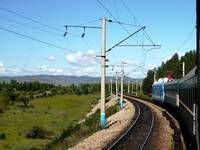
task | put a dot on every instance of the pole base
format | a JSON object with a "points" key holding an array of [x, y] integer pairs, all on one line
{"points": [[121, 103], [103, 120]]}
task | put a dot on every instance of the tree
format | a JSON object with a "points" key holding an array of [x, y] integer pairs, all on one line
{"points": [[25, 98], [147, 83], [175, 65], [190, 60], [4, 102]]}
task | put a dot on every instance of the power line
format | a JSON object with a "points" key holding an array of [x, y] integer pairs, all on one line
{"points": [[187, 38], [89, 22], [117, 9], [147, 35], [29, 26], [43, 42], [114, 18], [35, 39], [134, 18], [86, 43], [70, 43], [35, 21], [137, 45], [30, 19], [127, 24], [84, 29], [39, 29]]}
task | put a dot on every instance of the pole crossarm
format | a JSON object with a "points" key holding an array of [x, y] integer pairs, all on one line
{"points": [[125, 39], [91, 27]]}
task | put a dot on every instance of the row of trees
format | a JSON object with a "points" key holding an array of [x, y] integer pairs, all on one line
{"points": [[23, 92], [173, 65], [36, 87]]}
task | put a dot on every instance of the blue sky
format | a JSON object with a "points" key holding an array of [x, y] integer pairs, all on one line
{"points": [[169, 23]]}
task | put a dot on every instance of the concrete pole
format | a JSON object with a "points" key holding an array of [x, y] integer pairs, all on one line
{"points": [[103, 74], [111, 85], [122, 92], [154, 76], [128, 86], [116, 86], [132, 87], [136, 88], [183, 69]]}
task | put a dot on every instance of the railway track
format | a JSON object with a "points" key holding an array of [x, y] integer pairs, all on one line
{"points": [[137, 135]]}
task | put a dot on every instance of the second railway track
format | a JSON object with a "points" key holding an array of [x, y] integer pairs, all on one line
{"points": [[137, 135]]}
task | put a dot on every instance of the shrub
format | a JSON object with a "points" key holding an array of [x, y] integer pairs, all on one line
{"points": [[38, 132], [2, 136], [1, 110], [112, 110], [25, 99], [75, 132], [4, 102], [73, 127], [93, 120]]}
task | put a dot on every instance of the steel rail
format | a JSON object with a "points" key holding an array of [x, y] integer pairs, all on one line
{"points": [[150, 131], [134, 124], [124, 134], [152, 123]]}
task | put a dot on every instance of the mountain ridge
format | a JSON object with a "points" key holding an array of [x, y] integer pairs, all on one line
{"points": [[61, 79]]}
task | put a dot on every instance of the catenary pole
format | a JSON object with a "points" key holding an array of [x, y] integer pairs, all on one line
{"points": [[122, 90], [132, 87], [111, 86], [154, 75], [128, 86], [183, 68], [116, 86], [136, 88], [103, 74], [111, 82]]}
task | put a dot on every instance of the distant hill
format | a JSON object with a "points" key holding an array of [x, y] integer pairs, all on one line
{"points": [[59, 79]]}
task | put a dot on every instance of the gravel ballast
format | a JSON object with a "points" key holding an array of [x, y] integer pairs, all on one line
{"points": [[160, 139], [115, 125]]}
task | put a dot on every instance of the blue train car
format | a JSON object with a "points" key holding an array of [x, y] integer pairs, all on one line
{"points": [[158, 93]]}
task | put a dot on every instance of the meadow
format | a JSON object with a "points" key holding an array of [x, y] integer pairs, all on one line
{"points": [[52, 114]]}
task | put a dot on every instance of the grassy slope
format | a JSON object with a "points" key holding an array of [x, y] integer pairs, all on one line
{"points": [[53, 114]]}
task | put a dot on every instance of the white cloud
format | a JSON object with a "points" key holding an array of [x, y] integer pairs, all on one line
{"points": [[51, 58], [2, 68], [47, 70], [79, 58], [88, 69], [82, 65], [42, 69], [74, 58]]}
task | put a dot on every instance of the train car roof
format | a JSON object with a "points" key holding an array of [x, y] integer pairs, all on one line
{"points": [[172, 82], [189, 74], [160, 81]]}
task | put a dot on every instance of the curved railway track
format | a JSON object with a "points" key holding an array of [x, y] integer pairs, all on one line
{"points": [[137, 135]]}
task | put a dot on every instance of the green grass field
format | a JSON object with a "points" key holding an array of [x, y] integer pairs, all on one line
{"points": [[53, 114]]}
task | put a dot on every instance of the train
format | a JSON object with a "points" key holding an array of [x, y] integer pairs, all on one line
{"points": [[181, 94]]}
